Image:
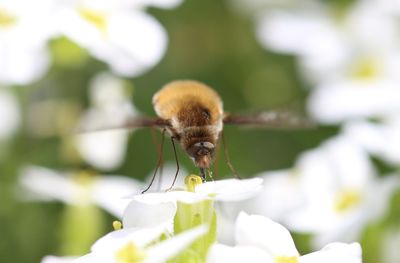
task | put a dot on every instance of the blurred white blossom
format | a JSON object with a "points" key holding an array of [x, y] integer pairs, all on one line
{"points": [[342, 192], [110, 107], [25, 28], [119, 33], [329, 44], [332, 192], [56, 259], [79, 188], [259, 239], [380, 139]]}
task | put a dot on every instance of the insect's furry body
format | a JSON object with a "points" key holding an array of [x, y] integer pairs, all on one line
{"points": [[195, 114]]}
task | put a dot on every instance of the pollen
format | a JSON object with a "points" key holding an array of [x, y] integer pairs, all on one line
{"points": [[191, 181], [6, 19], [96, 18], [129, 253], [287, 259], [347, 200]]}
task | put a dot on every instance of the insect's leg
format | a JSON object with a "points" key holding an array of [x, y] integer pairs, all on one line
{"points": [[228, 160], [160, 158], [215, 170], [160, 153], [177, 163]]}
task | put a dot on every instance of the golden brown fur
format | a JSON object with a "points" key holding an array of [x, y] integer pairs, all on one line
{"points": [[178, 98]]}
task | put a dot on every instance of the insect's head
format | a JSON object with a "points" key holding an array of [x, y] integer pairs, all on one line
{"points": [[202, 153]]}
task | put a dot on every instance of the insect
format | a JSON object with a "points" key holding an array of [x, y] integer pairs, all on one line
{"points": [[192, 114]]}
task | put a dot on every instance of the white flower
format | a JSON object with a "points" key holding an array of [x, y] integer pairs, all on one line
{"points": [[280, 195], [108, 192], [116, 32], [329, 45], [342, 192], [9, 114], [332, 192], [378, 139], [135, 245], [160, 208], [110, 107], [259, 239], [352, 60], [25, 27]]}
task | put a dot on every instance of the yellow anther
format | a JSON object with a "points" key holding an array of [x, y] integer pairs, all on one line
{"points": [[129, 253], [117, 225], [96, 18], [287, 259], [6, 19], [191, 181], [347, 199]]}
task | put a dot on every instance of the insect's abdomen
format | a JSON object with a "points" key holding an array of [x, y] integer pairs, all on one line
{"points": [[189, 102]]}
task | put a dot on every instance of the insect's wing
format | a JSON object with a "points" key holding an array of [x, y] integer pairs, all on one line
{"points": [[90, 123], [278, 119]]}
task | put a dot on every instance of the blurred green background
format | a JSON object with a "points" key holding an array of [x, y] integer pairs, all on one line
{"points": [[208, 41]]}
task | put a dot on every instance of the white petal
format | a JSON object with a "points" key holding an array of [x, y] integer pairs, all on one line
{"points": [[112, 242], [280, 195], [172, 246], [231, 189], [107, 90], [261, 232], [336, 102], [55, 259], [139, 214], [49, 184], [307, 34], [105, 149], [335, 252], [219, 253], [9, 114], [110, 192], [172, 196], [159, 3], [22, 65], [137, 42], [377, 139], [91, 258]]}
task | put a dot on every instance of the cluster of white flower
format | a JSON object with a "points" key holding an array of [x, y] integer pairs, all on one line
{"points": [[349, 55], [120, 33], [181, 226]]}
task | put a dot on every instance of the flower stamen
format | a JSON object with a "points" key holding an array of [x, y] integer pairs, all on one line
{"points": [[191, 181], [117, 225]]}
